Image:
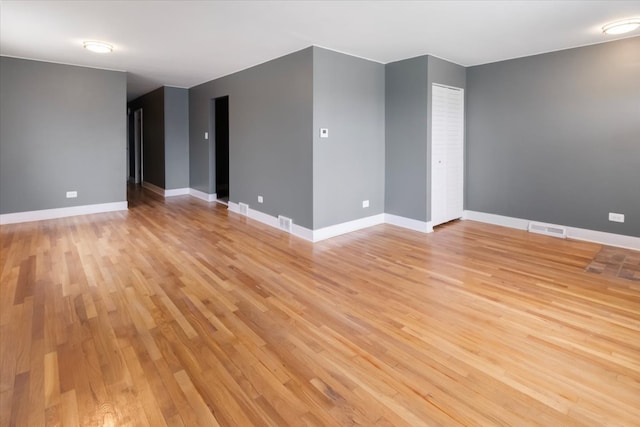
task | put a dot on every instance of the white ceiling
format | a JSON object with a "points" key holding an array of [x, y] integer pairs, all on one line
{"points": [[185, 43]]}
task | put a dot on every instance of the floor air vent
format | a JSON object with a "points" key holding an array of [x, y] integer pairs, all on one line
{"points": [[244, 208], [548, 229], [285, 223]]}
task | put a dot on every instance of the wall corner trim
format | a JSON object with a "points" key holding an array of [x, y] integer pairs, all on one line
{"points": [[44, 214], [202, 195], [594, 236], [409, 223]]}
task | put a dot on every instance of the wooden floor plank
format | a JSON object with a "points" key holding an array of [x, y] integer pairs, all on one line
{"points": [[180, 313]]}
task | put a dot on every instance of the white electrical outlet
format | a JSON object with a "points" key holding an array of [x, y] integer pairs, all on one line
{"points": [[324, 133], [72, 194], [616, 217], [260, 199], [365, 203], [206, 135]]}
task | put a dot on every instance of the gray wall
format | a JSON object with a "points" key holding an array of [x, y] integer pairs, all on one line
{"points": [[270, 143], [348, 167], [201, 160], [152, 105], [176, 137], [445, 73], [62, 128], [275, 112], [556, 137], [406, 112]]}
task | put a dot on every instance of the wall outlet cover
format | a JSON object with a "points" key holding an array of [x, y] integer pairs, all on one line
{"points": [[616, 217], [260, 199], [324, 133], [365, 203], [72, 194]]}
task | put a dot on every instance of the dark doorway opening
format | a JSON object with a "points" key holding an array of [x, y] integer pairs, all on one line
{"points": [[222, 147]]}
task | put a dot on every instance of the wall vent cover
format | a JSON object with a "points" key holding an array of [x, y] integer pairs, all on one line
{"points": [[285, 223], [548, 229], [244, 208]]}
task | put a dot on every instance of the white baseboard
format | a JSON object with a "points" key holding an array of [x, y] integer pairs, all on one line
{"points": [[426, 227], [505, 221], [312, 235], [260, 216], [165, 193], [409, 223], [302, 232], [176, 192], [40, 215], [347, 227], [601, 237], [202, 195], [611, 239], [272, 221]]}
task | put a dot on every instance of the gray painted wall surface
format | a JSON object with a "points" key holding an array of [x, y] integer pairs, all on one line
{"points": [[556, 137], [406, 113], [176, 137], [445, 73], [62, 128], [200, 159], [153, 155], [270, 143], [348, 167]]}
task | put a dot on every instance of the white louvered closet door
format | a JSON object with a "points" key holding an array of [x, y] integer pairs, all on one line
{"points": [[447, 154]]}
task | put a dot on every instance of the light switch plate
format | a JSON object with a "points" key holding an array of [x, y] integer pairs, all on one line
{"points": [[324, 133]]}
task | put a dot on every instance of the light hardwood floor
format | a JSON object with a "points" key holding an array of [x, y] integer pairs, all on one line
{"points": [[180, 313]]}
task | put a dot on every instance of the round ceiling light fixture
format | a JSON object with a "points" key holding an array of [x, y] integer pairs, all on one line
{"points": [[97, 47], [622, 26]]}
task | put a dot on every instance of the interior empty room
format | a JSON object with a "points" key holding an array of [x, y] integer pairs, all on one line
{"points": [[319, 213]]}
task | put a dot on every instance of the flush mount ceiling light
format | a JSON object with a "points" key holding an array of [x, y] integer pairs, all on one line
{"points": [[98, 47], [621, 27]]}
